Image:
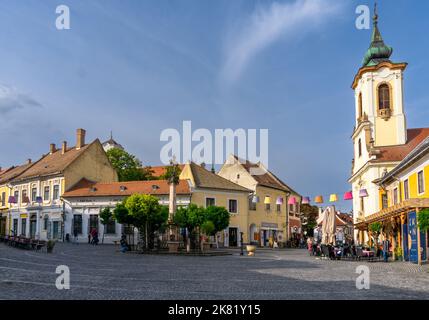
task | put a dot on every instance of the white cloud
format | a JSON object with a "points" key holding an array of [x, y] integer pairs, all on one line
{"points": [[268, 24], [11, 99]]}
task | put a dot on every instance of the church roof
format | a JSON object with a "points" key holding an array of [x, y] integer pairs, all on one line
{"points": [[378, 51], [398, 153]]}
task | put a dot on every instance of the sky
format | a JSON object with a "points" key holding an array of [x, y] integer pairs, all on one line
{"points": [[138, 67]]}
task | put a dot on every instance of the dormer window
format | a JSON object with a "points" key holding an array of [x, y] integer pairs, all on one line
{"points": [[122, 188], [93, 189], [155, 187]]}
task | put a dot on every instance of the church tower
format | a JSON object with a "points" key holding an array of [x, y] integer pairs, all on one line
{"points": [[379, 122]]}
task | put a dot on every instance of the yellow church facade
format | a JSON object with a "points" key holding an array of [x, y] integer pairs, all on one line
{"points": [[382, 142]]}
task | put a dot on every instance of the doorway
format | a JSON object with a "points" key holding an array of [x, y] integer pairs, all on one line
{"points": [[233, 237], [55, 229], [33, 226]]}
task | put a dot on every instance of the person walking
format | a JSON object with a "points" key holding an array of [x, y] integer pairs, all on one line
{"points": [[386, 246], [310, 246], [75, 236]]}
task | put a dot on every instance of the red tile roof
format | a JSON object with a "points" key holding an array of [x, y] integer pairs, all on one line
{"points": [[398, 153], [158, 171], [86, 188], [54, 163], [13, 172]]}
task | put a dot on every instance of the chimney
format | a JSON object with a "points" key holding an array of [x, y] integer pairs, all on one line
{"points": [[64, 147], [28, 161], [52, 148], [80, 138]]}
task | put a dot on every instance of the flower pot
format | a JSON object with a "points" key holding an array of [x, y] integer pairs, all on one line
{"points": [[250, 249]]}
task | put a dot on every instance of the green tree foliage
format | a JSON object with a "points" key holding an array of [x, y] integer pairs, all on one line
{"points": [[121, 214], [423, 219], [219, 216], [208, 227], [128, 166], [310, 214], [148, 216], [105, 217], [190, 217], [172, 174]]}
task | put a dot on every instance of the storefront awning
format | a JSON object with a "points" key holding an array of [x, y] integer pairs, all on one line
{"points": [[393, 211]]}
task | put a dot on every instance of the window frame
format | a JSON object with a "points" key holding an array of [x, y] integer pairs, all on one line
{"points": [[56, 192], [420, 187], [33, 194], [214, 200], [46, 189], [406, 189], [236, 206], [381, 97]]}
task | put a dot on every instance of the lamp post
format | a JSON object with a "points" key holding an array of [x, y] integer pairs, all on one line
{"points": [[241, 243]]}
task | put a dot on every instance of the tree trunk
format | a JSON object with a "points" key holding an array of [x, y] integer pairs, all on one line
{"points": [[104, 231], [146, 235]]}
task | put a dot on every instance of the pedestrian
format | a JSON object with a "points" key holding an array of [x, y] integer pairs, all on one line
{"points": [[310, 246], [75, 234], [124, 244], [386, 246], [89, 238], [95, 237]]}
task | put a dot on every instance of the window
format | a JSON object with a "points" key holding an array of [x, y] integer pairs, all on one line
{"points": [[16, 195], [23, 226], [56, 195], [362, 205], [291, 208], [3, 199], [395, 196], [45, 223], [46, 193], [33, 194], [232, 206], [383, 97], [420, 182], [24, 196], [360, 112], [279, 207], [210, 202], [93, 222], [384, 203], [406, 190], [359, 147], [111, 227], [15, 226], [77, 223], [267, 206]]}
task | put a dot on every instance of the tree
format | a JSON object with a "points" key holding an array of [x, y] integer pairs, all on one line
{"points": [[191, 218], [147, 214], [219, 216], [105, 218], [375, 228], [309, 219], [423, 219], [122, 216], [128, 166], [172, 174]]}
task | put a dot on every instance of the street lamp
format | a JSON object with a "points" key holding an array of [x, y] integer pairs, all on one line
{"points": [[241, 242]]}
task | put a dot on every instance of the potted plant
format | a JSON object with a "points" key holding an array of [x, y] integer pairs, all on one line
{"points": [[50, 246], [398, 253]]}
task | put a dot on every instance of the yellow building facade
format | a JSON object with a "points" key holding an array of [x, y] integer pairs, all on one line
{"points": [[37, 209], [271, 217], [380, 137]]}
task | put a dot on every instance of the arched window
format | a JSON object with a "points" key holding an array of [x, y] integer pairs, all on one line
{"points": [[383, 97], [359, 147], [360, 113]]}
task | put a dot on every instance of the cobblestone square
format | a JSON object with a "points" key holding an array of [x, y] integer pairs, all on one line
{"points": [[101, 272]]}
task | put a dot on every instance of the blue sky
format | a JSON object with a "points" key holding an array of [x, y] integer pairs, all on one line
{"points": [[139, 67]]}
